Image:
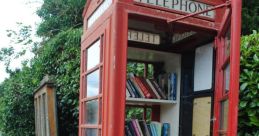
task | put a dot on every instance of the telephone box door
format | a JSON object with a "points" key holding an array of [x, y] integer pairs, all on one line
{"points": [[227, 46]]}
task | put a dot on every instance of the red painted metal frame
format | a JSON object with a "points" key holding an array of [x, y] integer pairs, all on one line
{"points": [[114, 25], [232, 18]]}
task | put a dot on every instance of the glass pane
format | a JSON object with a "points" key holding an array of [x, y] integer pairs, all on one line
{"points": [[227, 77], [100, 111], [93, 55], [93, 83], [91, 132], [91, 112], [227, 43], [224, 115]]}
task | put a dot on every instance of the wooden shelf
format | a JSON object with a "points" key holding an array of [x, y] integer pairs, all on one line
{"points": [[142, 101]]}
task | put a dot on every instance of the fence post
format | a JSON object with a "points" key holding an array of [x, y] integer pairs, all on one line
{"points": [[45, 108]]}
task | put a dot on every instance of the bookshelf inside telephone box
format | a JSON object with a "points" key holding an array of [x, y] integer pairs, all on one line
{"points": [[160, 68]]}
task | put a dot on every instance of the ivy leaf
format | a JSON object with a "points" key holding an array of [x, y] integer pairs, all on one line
{"points": [[243, 104], [256, 58], [243, 86]]}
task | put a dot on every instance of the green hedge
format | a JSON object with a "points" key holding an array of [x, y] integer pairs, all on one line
{"points": [[249, 86]]}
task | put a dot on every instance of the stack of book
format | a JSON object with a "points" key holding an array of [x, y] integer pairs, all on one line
{"points": [[135, 127], [139, 87]]}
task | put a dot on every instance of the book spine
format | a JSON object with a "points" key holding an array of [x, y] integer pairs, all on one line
{"points": [[147, 131], [166, 129], [159, 89], [127, 93], [135, 127], [137, 87], [139, 129], [134, 89], [173, 92], [127, 131], [143, 87], [153, 129], [130, 89], [153, 89], [131, 127]]}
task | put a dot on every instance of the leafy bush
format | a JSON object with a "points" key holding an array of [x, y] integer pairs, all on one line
{"points": [[249, 89], [58, 55]]}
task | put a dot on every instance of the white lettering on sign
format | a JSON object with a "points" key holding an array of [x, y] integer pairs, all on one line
{"points": [[179, 37], [144, 37], [100, 10], [188, 6]]}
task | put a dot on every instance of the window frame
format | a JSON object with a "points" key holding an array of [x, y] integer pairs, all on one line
{"points": [[83, 96]]}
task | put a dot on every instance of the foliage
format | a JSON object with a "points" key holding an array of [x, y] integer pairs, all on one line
{"points": [[249, 89], [250, 16], [17, 111], [59, 15], [58, 55]]}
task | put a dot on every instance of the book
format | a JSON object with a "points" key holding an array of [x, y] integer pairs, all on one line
{"points": [[130, 89], [131, 128], [173, 86], [127, 131], [144, 128], [135, 85], [154, 90], [154, 94], [149, 129], [139, 128], [134, 89], [163, 82], [153, 130], [143, 88], [136, 129], [158, 127], [157, 87], [166, 129], [127, 93]]}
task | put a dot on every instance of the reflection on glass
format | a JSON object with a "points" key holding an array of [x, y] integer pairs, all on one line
{"points": [[90, 132], [93, 55], [227, 77], [92, 82], [227, 43], [224, 115], [91, 112]]}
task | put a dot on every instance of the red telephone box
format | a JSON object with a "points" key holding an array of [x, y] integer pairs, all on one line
{"points": [[177, 60]]}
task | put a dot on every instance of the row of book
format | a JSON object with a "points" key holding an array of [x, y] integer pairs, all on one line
{"points": [[136, 127], [140, 87]]}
